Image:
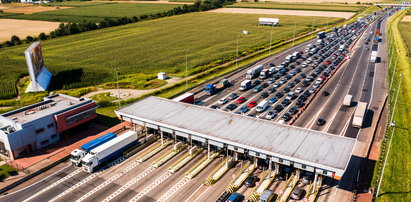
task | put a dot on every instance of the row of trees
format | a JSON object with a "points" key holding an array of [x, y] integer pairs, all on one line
{"points": [[65, 29]]}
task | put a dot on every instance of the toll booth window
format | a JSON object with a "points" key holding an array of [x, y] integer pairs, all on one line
{"points": [[236, 148], [257, 154], [325, 172], [303, 166], [280, 160]]}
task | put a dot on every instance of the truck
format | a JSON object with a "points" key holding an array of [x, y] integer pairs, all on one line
{"points": [[289, 58], [296, 55], [359, 114], [262, 106], [245, 85], [108, 151], [77, 155], [264, 74], [321, 35], [212, 89], [254, 72], [374, 56], [319, 41], [347, 100]]}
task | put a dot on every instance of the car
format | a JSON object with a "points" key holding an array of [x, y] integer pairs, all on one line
{"points": [[320, 122], [312, 90], [325, 93], [231, 107], [298, 90], [241, 100], [232, 96], [271, 115], [278, 108], [235, 197], [273, 100], [307, 178], [271, 90], [271, 80], [279, 95], [214, 107], [283, 80], [296, 81], [264, 85], [264, 95], [291, 85], [327, 62], [251, 115], [257, 89], [302, 75], [252, 104], [250, 181], [297, 192], [286, 117], [304, 65], [300, 104], [277, 84], [293, 110], [272, 64], [256, 82], [298, 70], [223, 101], [243, 109], [286, 90], [285, 102]]}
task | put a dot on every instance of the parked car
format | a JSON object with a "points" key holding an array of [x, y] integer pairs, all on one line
{"points": [[241, 100], [250, 181], [252, 104], [232, 96], [223, 101], [297, 192], [231, 107], [321, 122], [271, 115], [243, 109]]}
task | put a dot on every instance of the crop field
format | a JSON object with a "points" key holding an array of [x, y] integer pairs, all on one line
{"points": [[405, 28], [96, 12], [151, 46], [298, 6]]}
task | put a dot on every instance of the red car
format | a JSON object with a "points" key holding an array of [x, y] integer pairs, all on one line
{"points": [[252, 104], [241, 100], [328, 62]]}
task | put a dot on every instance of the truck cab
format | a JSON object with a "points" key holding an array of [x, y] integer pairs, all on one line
{"points": [[76, 156], [89, 162]]}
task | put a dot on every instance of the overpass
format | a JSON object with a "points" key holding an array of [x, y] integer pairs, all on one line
{"points": [[310, 150]]}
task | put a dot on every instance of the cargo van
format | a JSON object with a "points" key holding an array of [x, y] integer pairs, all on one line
{"points": [[262, 106]]}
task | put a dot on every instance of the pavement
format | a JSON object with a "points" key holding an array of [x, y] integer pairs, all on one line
{"points": [[48, 155]]}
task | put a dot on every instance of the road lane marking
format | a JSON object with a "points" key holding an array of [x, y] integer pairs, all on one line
{"points": [[150, 187], [187, 200], [174, 189], [201, 195]]}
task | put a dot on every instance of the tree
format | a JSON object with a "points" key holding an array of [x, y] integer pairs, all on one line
{"points": [[42, 36], [15, 40], [29, 39]]}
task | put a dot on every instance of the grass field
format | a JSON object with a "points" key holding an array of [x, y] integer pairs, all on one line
{"points": [[150, 47], [6, 171], [95, 12], [396, 185], [298, 6]]}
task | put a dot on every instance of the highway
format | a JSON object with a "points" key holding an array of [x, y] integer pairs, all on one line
{"points": [[130, 180]]}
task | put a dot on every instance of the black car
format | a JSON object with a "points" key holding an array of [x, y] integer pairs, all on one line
{"points": [[264, 95], [214, 107], [286, 117], [296, 81], [300, 104], [302, 75], [279, 95], [256, 82], [285, 102], [231, 107], [298, 70], [321, 122], [250, 181], [286, 90], [293, 110], [291, 85], [272, 64], [278, 108], [271, 90], [325, 93], [305, 84], [264, 85]]}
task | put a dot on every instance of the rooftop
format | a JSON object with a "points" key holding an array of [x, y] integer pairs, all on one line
{"points": [[50, 105], [293, 143]]}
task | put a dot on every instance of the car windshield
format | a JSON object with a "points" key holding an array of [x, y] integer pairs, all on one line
{"points": [[74, 157]]}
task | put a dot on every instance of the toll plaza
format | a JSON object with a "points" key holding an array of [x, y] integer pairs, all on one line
{"points": [[219, 131]]}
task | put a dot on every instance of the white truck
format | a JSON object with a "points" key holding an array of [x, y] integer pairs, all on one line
{"points": [[245, 85], [359, 114], [296, 55], [264, 74], [262, 106], [347, 100], [254, 72], [374, 56], [289, 58], [109, 151]]}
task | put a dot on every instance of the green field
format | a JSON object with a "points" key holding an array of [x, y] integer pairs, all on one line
{"points": [[96, 12], [298, 6], [6, 170], [396, 185], [150, 47]]}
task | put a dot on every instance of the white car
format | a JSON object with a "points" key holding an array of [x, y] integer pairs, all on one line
{"points": [[271, 115], [223, 101], [298, 90], [309, 60], [304, 65], [312, 90]]}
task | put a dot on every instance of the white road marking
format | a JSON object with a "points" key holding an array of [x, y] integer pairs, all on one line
{"points": [[150, 187], [202, 185], [174, 189], [201, 195]]}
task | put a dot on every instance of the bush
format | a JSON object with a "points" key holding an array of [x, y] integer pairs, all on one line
{"points": [[42, 36]]}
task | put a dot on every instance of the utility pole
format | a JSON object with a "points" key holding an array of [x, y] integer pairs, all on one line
{"points": [[186, 69], [295, 24], [236, 54]]}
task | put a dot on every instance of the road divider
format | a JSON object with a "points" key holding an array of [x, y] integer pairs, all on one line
{"points": [[289, 187], [264, 183], [185, 159], [240, 177], [177, 148], [201, 165], [154, 151], [220, 170]]}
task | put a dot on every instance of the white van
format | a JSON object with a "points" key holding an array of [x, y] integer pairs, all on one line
{"points": [[262, 106]]}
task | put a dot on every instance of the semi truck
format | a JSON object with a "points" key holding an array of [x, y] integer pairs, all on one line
{"points": [[374, 57], [254, 72], [289, 58], [77, 155], [359, 114], [296, 55], [212, 89], [108, 151], [264, 74], [347, 100], [321, 35], [245, 85]]}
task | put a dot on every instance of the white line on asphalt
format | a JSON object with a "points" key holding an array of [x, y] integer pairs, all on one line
{"points": [[174, 189], [202, 185], [150, 187], [202, 194]]}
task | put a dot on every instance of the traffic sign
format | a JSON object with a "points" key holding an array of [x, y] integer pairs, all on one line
{"points": [[233, 176], [281, 191]]}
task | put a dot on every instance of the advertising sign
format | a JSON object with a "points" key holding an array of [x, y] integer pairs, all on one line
{"points": [[34, 59]]}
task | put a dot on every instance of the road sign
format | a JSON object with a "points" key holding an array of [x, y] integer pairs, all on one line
{"points": [[233, 176], [281, 191]]}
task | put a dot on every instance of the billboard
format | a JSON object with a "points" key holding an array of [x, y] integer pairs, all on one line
{"points": [[268, 21], [34, 59]]}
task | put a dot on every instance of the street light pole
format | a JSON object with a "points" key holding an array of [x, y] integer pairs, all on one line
{"points": [[186, 69]]}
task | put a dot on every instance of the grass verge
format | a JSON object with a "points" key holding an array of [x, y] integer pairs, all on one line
{"points": [[6, 170], [299, 6]]}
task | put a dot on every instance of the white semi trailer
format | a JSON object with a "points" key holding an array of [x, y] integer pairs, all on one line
{"points": [[359, 114]]}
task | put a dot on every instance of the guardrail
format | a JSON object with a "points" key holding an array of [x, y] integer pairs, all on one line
{"points": [[241, 176], [168, 155], [220, 170], [151, 153], [201, 165], [184, 160]]}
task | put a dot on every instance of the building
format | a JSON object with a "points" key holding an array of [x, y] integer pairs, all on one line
{"points": [[162, 76], [32, 127]]}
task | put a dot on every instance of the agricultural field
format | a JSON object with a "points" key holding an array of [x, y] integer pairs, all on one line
{"points": [[95, 12], [150, 47], [405, 28], [23, 28], [298, 6]]}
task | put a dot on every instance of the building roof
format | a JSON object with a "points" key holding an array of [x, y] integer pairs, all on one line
{"points": [[293, 143], [50, 105]]}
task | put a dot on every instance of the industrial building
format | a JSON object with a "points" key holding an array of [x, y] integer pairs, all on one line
{"points": [[32, 127], [314, 151]]}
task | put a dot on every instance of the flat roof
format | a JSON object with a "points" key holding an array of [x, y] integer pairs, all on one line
{"points": [[307, 146], [51, 105]]}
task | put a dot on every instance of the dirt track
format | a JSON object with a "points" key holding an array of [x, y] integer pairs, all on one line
{"points": [[32, 9], [23, 28], [345, 15]]}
